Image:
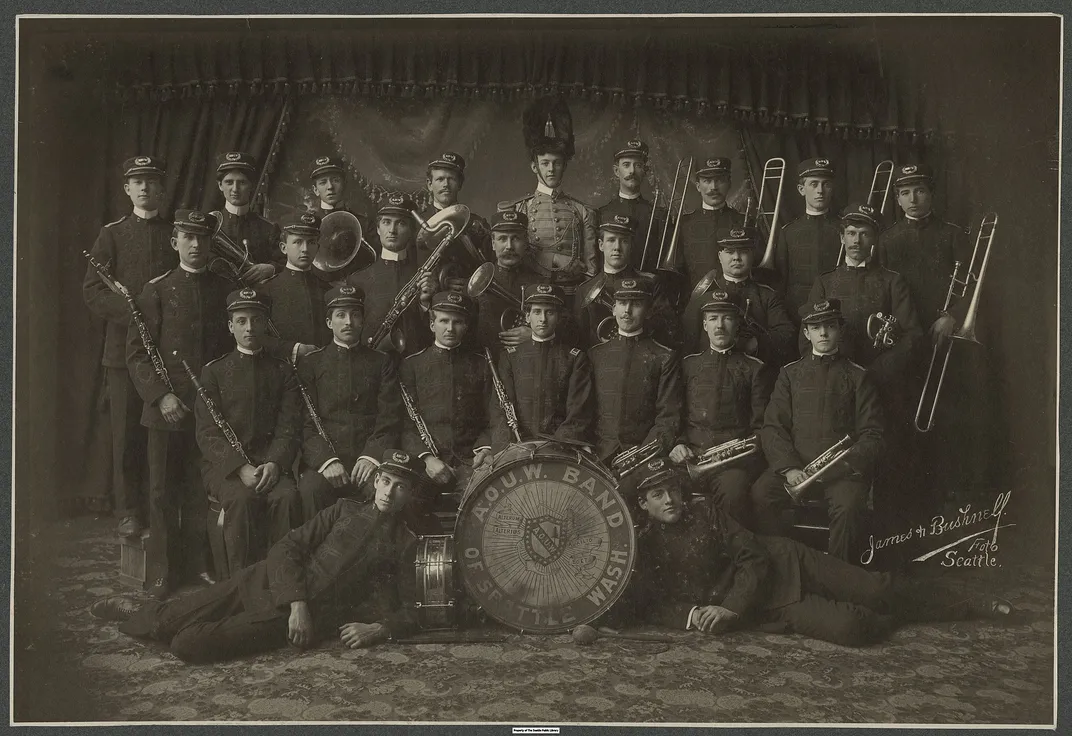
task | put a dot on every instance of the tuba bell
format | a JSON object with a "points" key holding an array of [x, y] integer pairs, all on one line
{"points": [[341, 242], [483, 282]]}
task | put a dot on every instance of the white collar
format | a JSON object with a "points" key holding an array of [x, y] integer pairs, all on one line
{"points": [[814, 213], [544, 189], [146, 214], [441, 346], [292, 267], [732, 280], [244, 351], [855, 264], [723, 351], [637, 333], [917, 219], [623, 195], [187, 269], [390, 255], [820, 355], [235, 210], [607, 269], [325, 206], [542, 339], [708, 207], [344, 346]]}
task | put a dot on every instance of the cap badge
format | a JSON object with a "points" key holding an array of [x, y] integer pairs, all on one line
{"points": [[395, 199], [347, 290], [822, 306], [713, 162], [400, 457], [308, 219], [509, 216], [720, 296], [543, 289], [822, 162], [450, 157], [909, 170], [737, 234], [248, 294], [196, 216], [629, 284], [657, 464], [634, 144], [142, 161], [233, 156], [867, 209], [323, 161], [454, 297]]}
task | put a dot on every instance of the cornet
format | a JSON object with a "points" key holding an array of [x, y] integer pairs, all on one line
{"points": [[880, 330], [820, 466], [633, 458], [721, 456]]}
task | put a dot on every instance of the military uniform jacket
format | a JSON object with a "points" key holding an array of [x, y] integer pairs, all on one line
{"points": [[453, 392], [816, 402], [492, 307], [709, 559], [355, 392], [864, 291], [258, 396], [562, 236], [924, 251], [261, 236], [297, 310], [698, 237], [776, 343], [640, 209], [382, 281], [725, 397], [638, 394], [134, 250], [550, 385], [806, 247], [185, 313]]}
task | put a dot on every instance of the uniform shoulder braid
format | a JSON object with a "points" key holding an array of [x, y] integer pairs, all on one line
{"points": [[121, 219], [508, 203], [753, 358], [162, 276]]}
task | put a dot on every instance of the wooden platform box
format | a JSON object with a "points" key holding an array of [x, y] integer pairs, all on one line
{"points": [[132, 560]]}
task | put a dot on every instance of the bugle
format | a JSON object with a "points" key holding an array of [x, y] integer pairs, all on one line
{"points": [[880, 330], [820, 466], [721, 456], [773, 170], [628, 461], [483, 282], [958, 288]]}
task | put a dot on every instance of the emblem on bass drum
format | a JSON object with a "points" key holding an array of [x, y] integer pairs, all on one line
{"points": [[545, 541]]}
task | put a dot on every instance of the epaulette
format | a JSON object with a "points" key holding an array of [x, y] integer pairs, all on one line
{"points": [[965, 230], [273, 277], [161, 276], [664, 347], [121, 219], [414, 355], [752, 357], [315, 351], [216, 360], [690, 212], [793, 363], [507, 204], [574, 352], [646, 274], [826, 273], [856, 364], [693, 355], [768, 287]]}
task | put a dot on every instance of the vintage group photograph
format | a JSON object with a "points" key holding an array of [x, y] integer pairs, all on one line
{"points": [[684, 370]]}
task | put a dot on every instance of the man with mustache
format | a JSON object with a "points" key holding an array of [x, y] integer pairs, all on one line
{"points": [[185, 313], [354, 390], [808, 245], [235, 174], [445, 179], [637, 380], [135, 248], [726, 393], [816, 401], [700, 230], [346, 562], [297, 293], [630, 169], [509, 240]]}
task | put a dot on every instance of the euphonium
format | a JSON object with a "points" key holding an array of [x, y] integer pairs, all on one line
{"points": [[632, 459], [818, 467], [483, 282], [720, 456]]}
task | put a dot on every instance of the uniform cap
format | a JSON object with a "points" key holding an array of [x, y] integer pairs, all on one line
{"points": [[396, 203], [721, 301], [861, 213], [634, 147], [236, 161], [652, 474], [248, 298], [913, 173], [815, 167], [714, 165], [448, 160], [327, 165], [739, 237], [509, 221], [303, 223], [403, 463], [453, 301], [634, 289], [543, 294], [196, 222], [144, 165], [620, 224], [346, 295], [811, 314]]}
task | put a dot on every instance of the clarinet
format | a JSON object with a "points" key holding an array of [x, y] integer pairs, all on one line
{"points": [[139, 320], [418, 420], [217, 418], [312, 412], [504, 400]]}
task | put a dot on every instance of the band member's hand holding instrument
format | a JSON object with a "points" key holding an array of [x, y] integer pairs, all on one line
{"points": [[820, 466]]}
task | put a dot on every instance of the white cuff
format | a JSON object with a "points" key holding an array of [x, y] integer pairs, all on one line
{"points": [[688, 621], [327, 463], [294, 353], [483, 447], [423, 455], [372, 460]]}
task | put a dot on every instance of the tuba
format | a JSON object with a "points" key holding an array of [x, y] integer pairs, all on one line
{"points": [[631, 459], [818, 467], [720, 456], [959, 288], [483, 282], [232, 259], [341, 242]]}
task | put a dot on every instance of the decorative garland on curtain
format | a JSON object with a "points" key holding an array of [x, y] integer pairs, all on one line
{"points": [[260, 193]]}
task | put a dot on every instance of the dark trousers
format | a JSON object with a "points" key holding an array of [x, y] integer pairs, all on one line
{"points": [[253, 522], [732, 491], [317, 494], [847, 499], [177, 507], [210, 624], [128, 444]]}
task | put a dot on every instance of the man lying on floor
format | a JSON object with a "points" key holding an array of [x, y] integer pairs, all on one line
{"points": [[310, 584], [699, 569]]}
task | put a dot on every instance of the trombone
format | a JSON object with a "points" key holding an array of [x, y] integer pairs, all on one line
{"points": [[958, 287], [880, 185], [651, 223], [773, 170]]}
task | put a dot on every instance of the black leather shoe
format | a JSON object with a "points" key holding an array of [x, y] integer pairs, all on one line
{"points": [[160, 589], [115, 608], [130, 527]]}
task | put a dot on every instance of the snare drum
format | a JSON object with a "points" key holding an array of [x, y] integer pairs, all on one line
{"points": [[436, 590], [546, 542]]}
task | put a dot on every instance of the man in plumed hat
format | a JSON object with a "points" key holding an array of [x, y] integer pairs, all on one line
{"points": [[185, 314], [630, 169], [562, 230], [548, 381], [135, 248], [637, 380], [726, 393], [236, 174], [445, 177], [817, 400], [808, 245], [348, 561], [701, 229], [510, 274], [698, 569], [257, 396], [296, 292], [354, 391]]}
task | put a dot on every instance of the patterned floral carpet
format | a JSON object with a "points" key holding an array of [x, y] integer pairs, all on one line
{"points": [[69, 666]]}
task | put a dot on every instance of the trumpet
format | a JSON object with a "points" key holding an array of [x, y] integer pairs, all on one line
{"points": [[773, 170], [818, 467], [720, 456], [958, 287], [880, 330], [231, 260], [449, 222], [483, 282], [633, 458]]}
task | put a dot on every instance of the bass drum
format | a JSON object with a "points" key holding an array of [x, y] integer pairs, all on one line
{"points": [[545, 542]]}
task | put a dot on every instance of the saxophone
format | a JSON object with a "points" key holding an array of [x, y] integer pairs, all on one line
{"points": [[504, 400], [217, 418], [418, 420], [139, 320]]}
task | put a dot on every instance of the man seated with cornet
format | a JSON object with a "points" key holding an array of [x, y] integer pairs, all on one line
{"points": [[726, 393], [497, 286], [821, 404]]}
